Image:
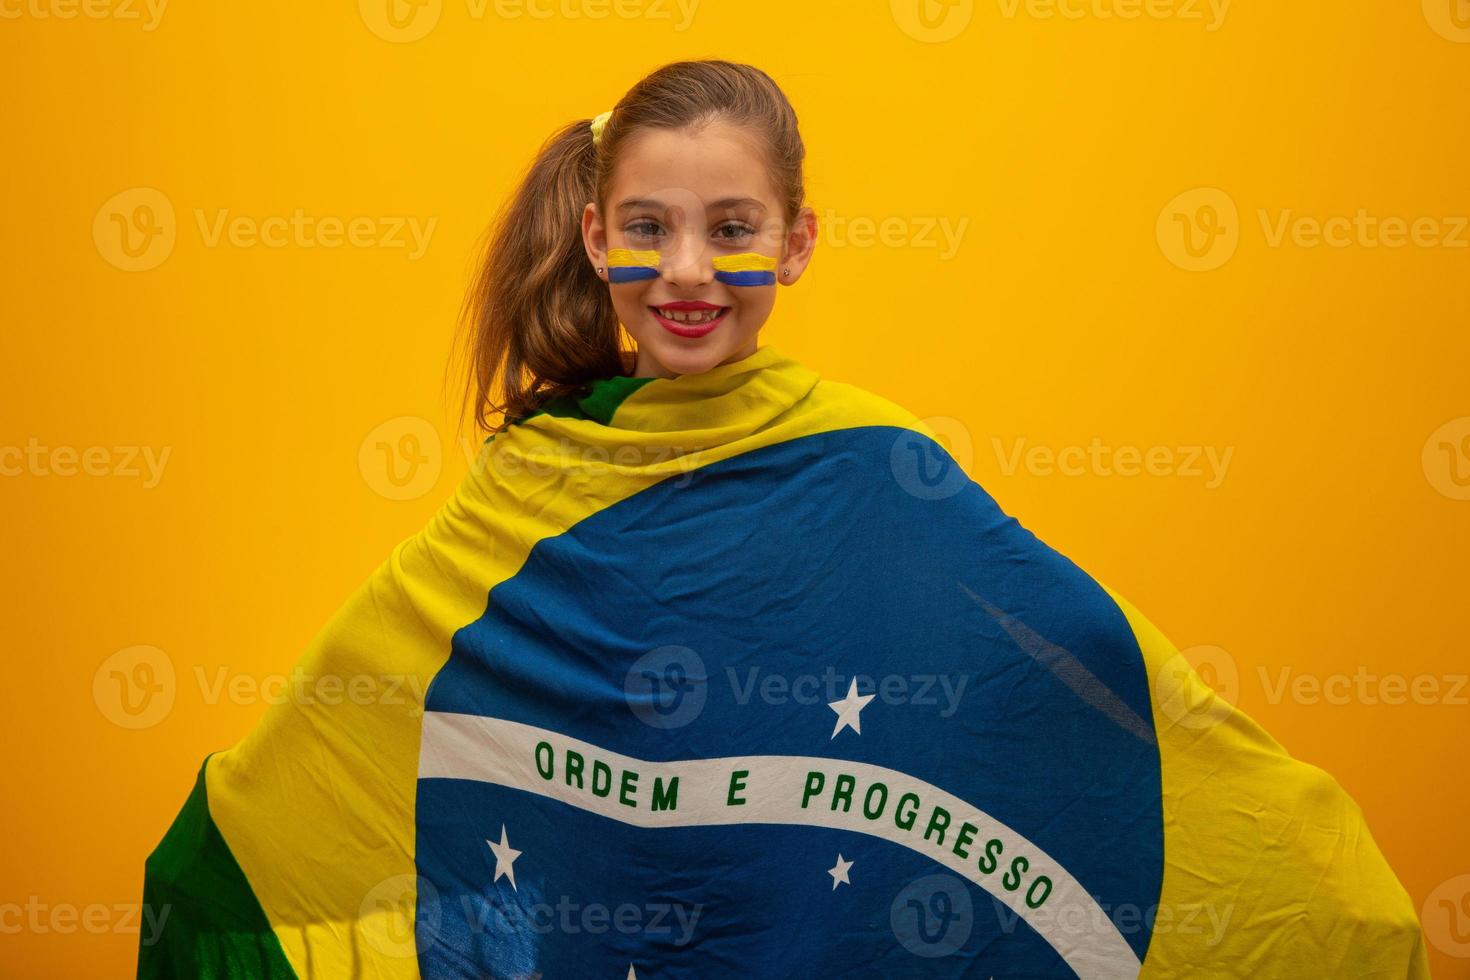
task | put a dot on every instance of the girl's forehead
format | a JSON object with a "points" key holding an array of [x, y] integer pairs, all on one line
{"points": [[716, 166]]}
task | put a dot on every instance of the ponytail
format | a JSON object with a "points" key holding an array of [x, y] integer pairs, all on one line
{"points": [[536, 306]]}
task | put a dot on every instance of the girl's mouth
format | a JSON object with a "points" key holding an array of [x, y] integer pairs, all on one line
{"points": [[689, 319]]}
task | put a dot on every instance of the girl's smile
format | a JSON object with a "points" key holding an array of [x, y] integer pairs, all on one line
{"points": [[689, 319]]}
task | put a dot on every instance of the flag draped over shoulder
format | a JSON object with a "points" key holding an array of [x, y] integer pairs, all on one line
{"points": [[739, 674]]}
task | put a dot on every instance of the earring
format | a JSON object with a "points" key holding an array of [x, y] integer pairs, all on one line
{"points": [[785, 272], [599, 270]]}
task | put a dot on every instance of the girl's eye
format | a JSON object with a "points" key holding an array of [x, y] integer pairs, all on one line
{"points": [[735, 229], [643, 229]]}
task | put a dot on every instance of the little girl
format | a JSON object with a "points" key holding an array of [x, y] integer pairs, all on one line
{"points": [[713, 668]]}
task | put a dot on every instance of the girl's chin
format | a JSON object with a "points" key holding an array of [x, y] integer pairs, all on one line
{"points": [[675, 356]]}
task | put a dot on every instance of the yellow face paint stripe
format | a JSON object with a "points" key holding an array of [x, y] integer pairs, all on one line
{"points": [[631, 265], [745, 262], [746, 269]]}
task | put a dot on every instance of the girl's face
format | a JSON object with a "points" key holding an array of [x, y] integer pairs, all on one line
{"points": [[692, 246]]}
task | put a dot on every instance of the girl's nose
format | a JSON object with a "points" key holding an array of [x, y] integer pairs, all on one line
{"points": [[687, 263]]}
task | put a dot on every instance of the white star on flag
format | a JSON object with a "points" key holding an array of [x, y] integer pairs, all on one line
{"points": [[848, 708], [631, 974], [505, 857], [839, 872]]}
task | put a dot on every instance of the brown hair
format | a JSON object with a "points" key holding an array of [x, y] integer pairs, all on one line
{"points": [[537, 320]]}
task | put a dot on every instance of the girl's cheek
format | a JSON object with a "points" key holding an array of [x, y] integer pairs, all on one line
{"points": [[746, 269], [632, 265]]}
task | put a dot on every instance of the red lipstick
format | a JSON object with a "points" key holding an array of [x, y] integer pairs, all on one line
{"points": [[690, 329]]}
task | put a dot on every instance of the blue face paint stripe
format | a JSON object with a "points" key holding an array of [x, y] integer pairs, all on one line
{"points": [[631, 273], [747, 278]]}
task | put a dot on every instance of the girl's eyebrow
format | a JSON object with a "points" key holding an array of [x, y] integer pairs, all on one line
{"points": [[723, 204]]}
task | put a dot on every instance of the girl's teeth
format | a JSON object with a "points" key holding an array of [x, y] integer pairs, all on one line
{"points": [[703, 316]]}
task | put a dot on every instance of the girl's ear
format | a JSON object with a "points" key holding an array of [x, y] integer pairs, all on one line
{"points": [[594, 237], [801, 240]]}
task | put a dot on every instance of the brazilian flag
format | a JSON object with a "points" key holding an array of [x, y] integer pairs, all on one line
{"points": [[738, 674]]}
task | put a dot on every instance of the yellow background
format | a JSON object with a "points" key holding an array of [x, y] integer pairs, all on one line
{"points": [[1054, 149]]}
